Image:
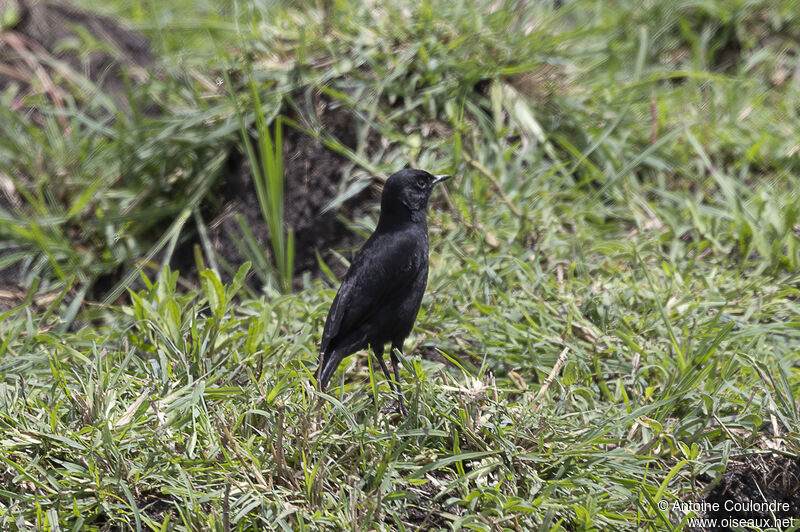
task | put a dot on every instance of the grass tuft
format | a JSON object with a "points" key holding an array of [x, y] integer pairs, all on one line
{"points": [[611, 316]]}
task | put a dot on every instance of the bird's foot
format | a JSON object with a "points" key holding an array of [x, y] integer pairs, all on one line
{"points": [[396, 407]]}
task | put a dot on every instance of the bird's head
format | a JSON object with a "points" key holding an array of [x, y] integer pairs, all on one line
{"points": [[406, 193]]}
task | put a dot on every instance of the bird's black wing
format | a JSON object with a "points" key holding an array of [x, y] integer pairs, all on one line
{"points": [[387, 263]]}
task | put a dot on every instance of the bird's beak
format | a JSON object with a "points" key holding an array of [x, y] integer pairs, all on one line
{"points": [[438, 178]]}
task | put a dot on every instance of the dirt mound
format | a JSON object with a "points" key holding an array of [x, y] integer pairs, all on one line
{"points": [[42, 45], [313, 177], [757, 488], [43, 52]]}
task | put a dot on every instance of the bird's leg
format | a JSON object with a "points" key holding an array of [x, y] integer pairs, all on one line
{"points": [[378, 351], [392, 384], [398, 346]]}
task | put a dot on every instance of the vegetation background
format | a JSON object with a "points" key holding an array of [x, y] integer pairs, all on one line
{"points": [[611, 324]]}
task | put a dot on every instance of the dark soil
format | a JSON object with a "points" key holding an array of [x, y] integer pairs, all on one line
{"points": [[313, 177], [12, 293], [422, 511], [757, 478], [425, 514]]}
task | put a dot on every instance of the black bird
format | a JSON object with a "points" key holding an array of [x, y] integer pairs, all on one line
{"points": [[382, 290]]}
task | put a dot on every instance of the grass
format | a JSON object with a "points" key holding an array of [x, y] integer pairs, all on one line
{"points": [[625, 207], [269, 185]]}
